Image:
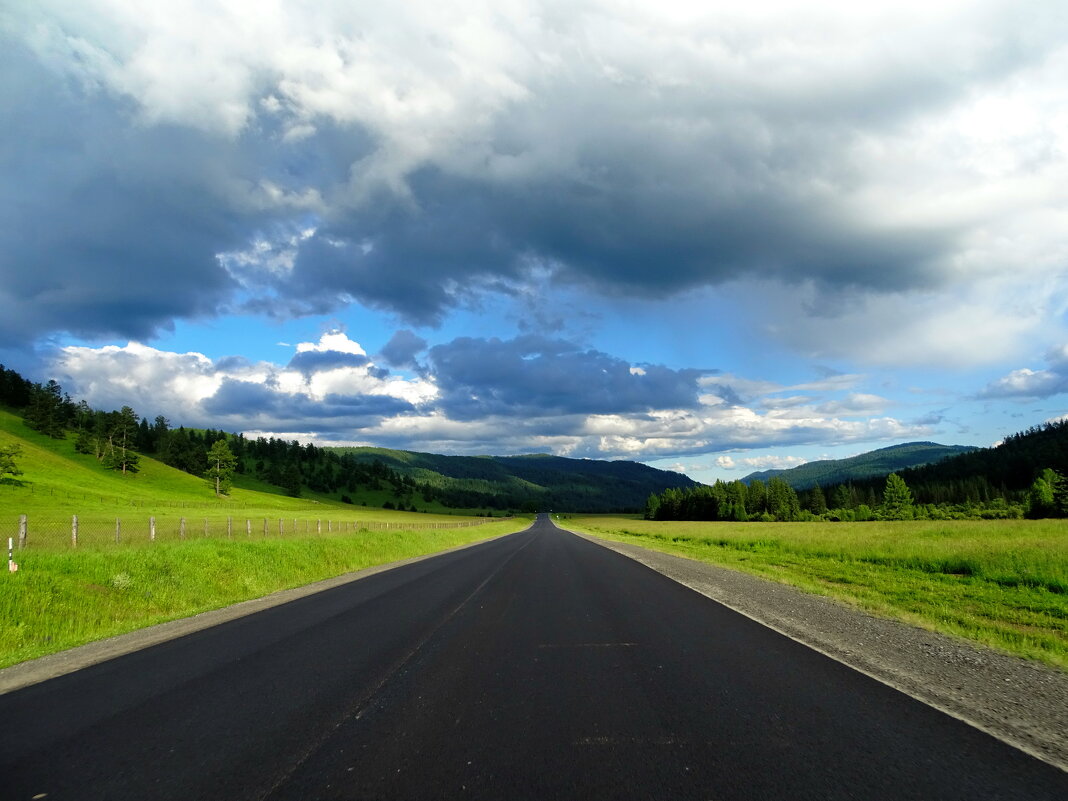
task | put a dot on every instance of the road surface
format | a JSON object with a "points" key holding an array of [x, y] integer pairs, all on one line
{"points": [[534, 666]]}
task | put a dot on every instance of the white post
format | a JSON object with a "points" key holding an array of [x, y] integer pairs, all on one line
{"points": [[22, 531], [118, 529], [74, 531], [152, 529]]}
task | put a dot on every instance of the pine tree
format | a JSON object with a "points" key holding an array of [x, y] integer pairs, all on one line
{"points": [[817, 502], [897, 499], [221, 463], [120, 453]]}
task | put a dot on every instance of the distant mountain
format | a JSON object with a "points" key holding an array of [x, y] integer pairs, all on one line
{"points": [[535, 481], [874, 464]]}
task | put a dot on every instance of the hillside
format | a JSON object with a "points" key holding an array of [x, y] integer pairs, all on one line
{"points": [[56, 478], [874, 464], [535, 481]]}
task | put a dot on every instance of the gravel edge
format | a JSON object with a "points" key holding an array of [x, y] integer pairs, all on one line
{"points": [[34, 671], [1022, 703]]}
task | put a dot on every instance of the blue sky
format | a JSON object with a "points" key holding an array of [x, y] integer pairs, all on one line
{"points": [[710, 237]]}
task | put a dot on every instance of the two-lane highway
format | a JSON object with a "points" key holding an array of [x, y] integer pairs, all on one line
{"points": [[538, 665]]}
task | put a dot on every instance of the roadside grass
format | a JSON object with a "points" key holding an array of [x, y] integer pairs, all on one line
{"points": [[1002, 583], [61, 599]]}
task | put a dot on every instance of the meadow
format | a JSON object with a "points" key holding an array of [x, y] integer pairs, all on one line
{"points": [[245, 545], [1001, 583]]}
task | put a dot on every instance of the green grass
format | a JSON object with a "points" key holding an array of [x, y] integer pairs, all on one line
{"points": [[1002, 583], [60, 599]]}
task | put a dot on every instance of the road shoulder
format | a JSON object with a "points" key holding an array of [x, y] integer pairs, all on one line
{"points": [[1022, 703]]}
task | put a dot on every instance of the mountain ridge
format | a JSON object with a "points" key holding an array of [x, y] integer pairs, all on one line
{"points": [[871, 464]]}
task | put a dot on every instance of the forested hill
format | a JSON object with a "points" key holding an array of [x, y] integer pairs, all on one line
{"points": [[874, 464], [366, 476], [536, 481]]}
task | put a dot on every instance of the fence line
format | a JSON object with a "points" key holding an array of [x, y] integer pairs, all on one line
{"points": [[82, 529]]}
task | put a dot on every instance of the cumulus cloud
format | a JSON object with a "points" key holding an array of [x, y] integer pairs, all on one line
{"points": [[1027, 383], [402, 348], [480, 377], [527, 394], [259, 157], [329, 387]]}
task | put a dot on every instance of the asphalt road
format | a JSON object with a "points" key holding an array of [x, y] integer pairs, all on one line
{"points": [[538, 665]]}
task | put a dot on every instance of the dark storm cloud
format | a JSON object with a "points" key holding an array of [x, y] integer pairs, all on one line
{"points": [[109, 229], [314, 361], [652, 165], [263, 406], [535, 375], [402, 348]]}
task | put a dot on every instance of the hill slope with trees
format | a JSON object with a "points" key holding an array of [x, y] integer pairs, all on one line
{"points": [[378, 477], [874, 464]]}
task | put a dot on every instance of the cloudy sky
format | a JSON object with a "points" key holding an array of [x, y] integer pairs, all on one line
{"points": [[714, 236]]}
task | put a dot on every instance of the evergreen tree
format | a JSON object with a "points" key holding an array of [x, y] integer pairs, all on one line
{"points": [[120, 453], [817, 503], [897, 499], [782, 500], [290, 479], [46, 411], [221, 463], [652, 506], [1060, 495]]}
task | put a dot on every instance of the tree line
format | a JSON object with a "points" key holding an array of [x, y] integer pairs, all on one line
{"points": [[1021, 484], [118, 438]]}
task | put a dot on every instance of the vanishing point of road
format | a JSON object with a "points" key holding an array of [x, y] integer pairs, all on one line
{"points": [[534, 666]]}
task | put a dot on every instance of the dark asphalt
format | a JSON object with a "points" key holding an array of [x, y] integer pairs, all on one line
{"points": [[534, 666]]}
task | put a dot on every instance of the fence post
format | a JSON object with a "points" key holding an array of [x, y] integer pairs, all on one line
{"points": [[265, 526], [181, 529], [248, 527], [205, 526], [151, 529], [74, 531], [318, 526], [229, 528], [118, 530], [329, 527], [22, 531], [281, 530]]}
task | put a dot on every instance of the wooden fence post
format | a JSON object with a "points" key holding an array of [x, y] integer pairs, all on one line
{"points": [[152, 529], [74, 531], [265, 526], [281, 529], [181, 529], [318, 526], [229, 528], [22, 531], [118, 530], [248, 527]]}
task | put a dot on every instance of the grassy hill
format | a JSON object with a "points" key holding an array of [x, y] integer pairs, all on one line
{"points": [[874, 464], [530, 482], [57, 483]]}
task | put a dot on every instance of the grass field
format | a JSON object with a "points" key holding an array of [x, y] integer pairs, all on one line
{"points": [[251, 543], [60, 599], [1003, 583]]}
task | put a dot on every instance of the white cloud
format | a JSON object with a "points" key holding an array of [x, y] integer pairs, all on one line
{"points": [[1028, 383], [193, 389]]}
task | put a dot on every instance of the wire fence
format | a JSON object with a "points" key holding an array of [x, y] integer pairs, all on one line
{"points": [[95, 529]]}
